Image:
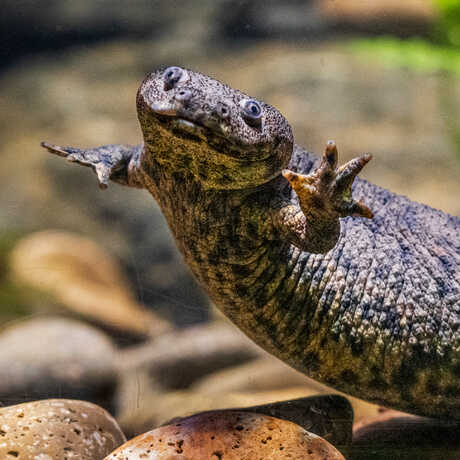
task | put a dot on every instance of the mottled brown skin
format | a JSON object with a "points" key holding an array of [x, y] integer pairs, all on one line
{"points": [[375, 315]]}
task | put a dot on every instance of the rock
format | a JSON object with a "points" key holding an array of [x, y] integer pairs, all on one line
{"points": [[84, 278], [175, 361], [179, 358], [154, 409], [320, 19], [393, 434], [264, 374], [57, 25], [328, 416], [57, 429], [55, 357], [269, 374], [52, 25], [379, 10], [227, 435]]}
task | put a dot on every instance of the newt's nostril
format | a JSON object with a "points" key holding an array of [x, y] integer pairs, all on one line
{"points": [[222, 110], [183, 95]]}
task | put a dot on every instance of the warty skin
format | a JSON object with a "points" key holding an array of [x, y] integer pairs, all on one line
{"points": [[367, 305]]}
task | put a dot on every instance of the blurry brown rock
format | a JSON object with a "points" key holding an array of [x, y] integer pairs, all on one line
{"points": [[64, 24], [155, 408], [264, 374], [56, 357], [208, 360], [84, 278], [383, 10], [328, 416], [181, 357], [174, 361], [57, 429], [321, 19], [227, 435], [269, 374], [393, 434]]}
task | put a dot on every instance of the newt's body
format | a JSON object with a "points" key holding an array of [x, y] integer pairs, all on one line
{"points": [[375, 315]]}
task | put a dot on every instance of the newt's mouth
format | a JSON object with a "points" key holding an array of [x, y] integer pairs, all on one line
{"points": [[201, 130], [178, 120], [189, 130], [205, 127]]}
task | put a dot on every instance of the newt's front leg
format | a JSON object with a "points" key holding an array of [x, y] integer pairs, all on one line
{"points": [[324, 196], [116, 162]]}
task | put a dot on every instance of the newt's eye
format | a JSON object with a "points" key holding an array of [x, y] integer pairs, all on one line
{"points": [[252, 112], [172, 76]]}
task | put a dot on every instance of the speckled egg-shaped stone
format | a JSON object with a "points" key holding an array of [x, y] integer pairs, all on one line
{"points": [[57, 429], [227, 435]]}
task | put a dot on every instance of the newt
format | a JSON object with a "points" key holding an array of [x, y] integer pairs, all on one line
{"points": [[355, 286]]}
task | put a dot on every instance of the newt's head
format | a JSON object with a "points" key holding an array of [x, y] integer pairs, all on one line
{"points": [[224, 138]]}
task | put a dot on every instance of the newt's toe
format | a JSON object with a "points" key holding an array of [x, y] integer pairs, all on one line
{"points": [[55, 149], [331, 155], [347, 173]]}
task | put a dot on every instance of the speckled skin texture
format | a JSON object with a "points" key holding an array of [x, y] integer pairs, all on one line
{"points": [[376, 315]]}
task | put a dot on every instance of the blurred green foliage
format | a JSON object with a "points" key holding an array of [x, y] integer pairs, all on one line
{"points": [[416, 53], [13, 298], [448, 27], [441, 53]]}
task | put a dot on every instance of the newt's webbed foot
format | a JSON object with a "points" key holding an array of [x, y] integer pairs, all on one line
{"points": [[110, 162], [326, 192], [324, 196]]}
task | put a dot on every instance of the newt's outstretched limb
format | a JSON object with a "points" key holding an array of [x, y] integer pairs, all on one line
{"points": [[115, 162]]}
